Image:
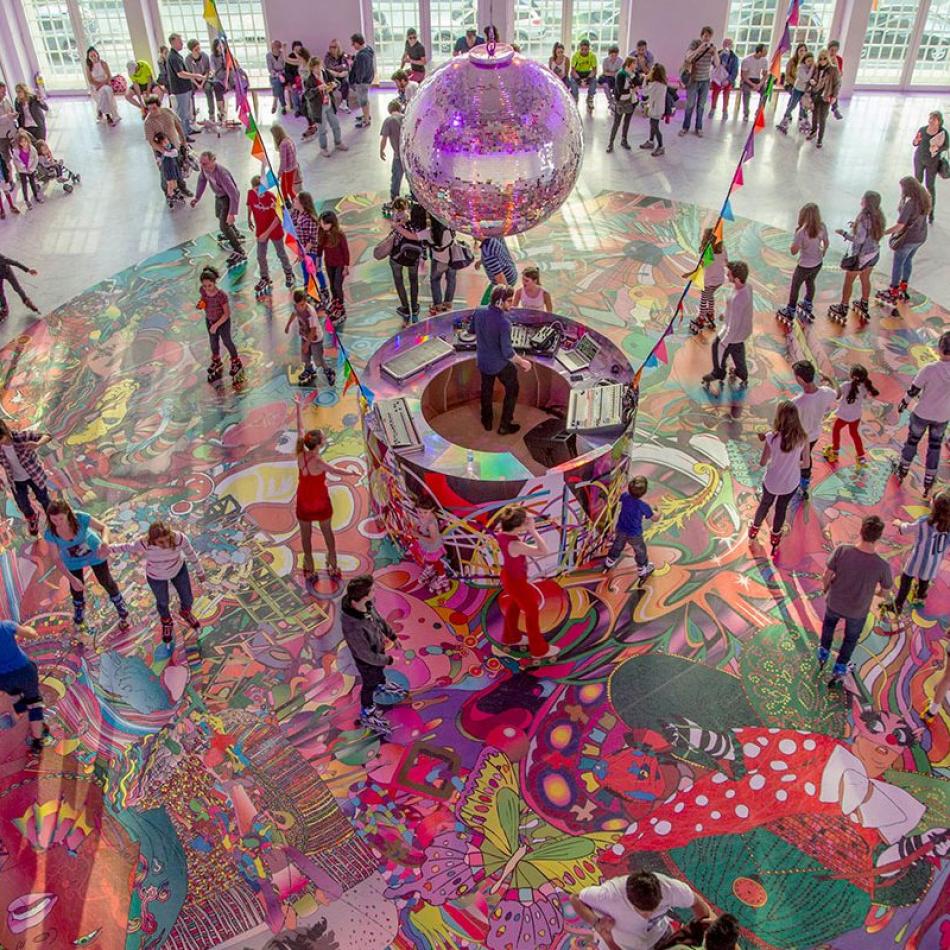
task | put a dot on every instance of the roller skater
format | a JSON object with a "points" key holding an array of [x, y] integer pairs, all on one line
{"points": [[865, 240], [860, 308], [786, 316], [838, 313], [810, 244], [236, 370], [736, 329], [263, 219], [19, 679], [714, 277], [217, 310], [236, 260]]}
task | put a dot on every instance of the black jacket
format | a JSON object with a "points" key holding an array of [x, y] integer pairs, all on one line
{"points": [[37, 109], [6, 267], [364, 635]]}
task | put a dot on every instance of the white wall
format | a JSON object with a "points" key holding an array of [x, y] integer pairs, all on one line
{"points": [[669, 25], [338, 19]]}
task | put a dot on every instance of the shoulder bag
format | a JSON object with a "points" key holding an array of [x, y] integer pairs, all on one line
{"points": [[460, 255], [385, 247]]}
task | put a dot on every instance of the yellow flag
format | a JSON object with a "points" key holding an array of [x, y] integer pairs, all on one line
{"points": [[699, 279], [211, 16]]}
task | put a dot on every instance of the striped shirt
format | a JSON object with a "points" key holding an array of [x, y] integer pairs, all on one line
{"points": [[930, 546], [496, 259], [161, 564]]}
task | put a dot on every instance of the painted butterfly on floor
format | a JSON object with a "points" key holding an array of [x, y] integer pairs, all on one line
{"points": [[516, 859]]}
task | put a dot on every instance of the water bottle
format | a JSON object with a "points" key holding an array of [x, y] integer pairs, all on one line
{"points": [[470, 464]]}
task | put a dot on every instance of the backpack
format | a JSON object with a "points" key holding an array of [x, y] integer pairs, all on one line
{"points": [[406, 253], [460, 255]]}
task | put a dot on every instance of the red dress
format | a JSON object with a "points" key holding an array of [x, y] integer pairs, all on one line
{"points": [[313, 499]]}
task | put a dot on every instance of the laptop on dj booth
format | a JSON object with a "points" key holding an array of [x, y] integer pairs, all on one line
{"points": [[581, 356]]}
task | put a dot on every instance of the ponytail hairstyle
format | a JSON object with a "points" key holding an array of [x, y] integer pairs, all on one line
{"points": [[709, 237], [312, 439], [209, 273], [788, 426], [859, 378], [940, 511], [809, 218], [512, 517]]}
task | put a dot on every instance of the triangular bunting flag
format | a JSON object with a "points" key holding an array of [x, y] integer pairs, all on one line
{"points": [[660, 352], [313, 289], [288, 222], [669, 329], [738, 181], [759, 120], [727, 209], [769, 86], [635, 382], [717, 230], [270, 179], [368, 395], [794, 11], [257, 149], [748, 153], [707, 255], [785, 43], [651, 361], [211, 16], [699, 279], [251, 128], [775, 69]]}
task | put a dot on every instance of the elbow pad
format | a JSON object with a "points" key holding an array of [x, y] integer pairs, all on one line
{"points": [[913, 392]]}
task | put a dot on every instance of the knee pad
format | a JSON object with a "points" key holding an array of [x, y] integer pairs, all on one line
{"points": [[19, 707], [36, 713]]}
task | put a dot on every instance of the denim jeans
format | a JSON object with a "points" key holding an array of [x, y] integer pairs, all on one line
{"points": [[915, 432], [181, 582], [621, 540], [277, 88], [281, 256], [852, 631], [903, 263], [22, 498], [329, 118], [439, 271], [182, 103], [696, 95], [409, 304], [794, 100], [395, 178]]}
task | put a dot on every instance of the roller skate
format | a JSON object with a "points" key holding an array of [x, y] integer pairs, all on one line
{"points": [[697, 325], [36, 744], [899, 469], [890, 295], [190, 619], [236, 370], [236, 260], [307, 377], [168, 630], [860, 308], [215, 370], [80, 627], [175, 201], [387, 210], [803, 487], [440, 584], [928, 485], [374, 720], [783, 126], [785, 316], [428, 573], [33, 524], [805, 312], [838, 313], [330, 374], [753, 531], [263, 288], [838, 673], [389, 694], [831, 455], [775, 539], [902, 292], [289, 279], [125, 624]]}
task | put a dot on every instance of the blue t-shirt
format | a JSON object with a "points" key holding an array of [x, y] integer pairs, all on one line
{"points": [[81, 551], [11, 656], [632, 512], [493, 349]]}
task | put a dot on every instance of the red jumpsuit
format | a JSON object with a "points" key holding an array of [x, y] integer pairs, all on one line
{"points": [[522, 596]]}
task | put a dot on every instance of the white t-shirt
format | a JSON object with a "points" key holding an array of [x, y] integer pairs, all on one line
{"points": [[811, 249], [812, 409], [630, 930], [783, 470], [851, 411], [19, 472], [934, 382], [737, 325]]}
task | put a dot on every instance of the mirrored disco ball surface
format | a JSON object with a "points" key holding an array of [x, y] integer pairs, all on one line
{"points": [[492, 145]]}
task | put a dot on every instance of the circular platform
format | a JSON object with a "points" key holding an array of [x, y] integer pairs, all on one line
{"points": [[568, 463]]}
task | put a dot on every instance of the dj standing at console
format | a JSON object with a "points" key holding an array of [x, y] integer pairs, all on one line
{"points": [[496, 358]]}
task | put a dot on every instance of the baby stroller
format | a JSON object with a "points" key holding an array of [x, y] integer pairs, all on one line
{"points": [[56, 171]]}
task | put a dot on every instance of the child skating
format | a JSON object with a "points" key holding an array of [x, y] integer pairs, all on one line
{"points": [[166, 156], [736, 329], [931, 535], [166, 554], [216, 307], [264, 221], [813, 404], [714, 276], [851, 580], [850, 406], [629, 529], [810, 244], [19, 679], [431, 546], [310, 321], [783, 455]]}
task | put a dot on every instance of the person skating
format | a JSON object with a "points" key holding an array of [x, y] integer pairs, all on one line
{"points": [[8, 277], [864, 236], [215, 305], [24, 471], [310, 321], [853, 576], [227, 202], [19, 679], [931, 389], [263, 220], [850, 405], [629, 528], [813, 404], [736, 328], [810, 244]]}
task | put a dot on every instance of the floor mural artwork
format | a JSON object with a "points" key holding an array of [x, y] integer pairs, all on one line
{"points": [[221, 794]]}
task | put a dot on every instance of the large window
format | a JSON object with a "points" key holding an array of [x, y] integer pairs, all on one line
{"points": [[54, 41], [537, 27], [887, 41], [933, 56], [449, 21], [104, 26], [598, 21], [391, 20], [243, 22], [751, 23], [185, 18], [814, 24]]}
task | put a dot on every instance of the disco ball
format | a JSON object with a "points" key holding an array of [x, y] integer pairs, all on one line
{"points": [[492, 144]]}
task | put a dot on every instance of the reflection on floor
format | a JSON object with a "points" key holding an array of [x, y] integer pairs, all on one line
{"points": [[220, 793]]}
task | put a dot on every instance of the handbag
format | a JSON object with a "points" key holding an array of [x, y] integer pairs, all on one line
{"points": [[385, 247], [850, 262], [943, 167], [460, 255], [896, 241]]}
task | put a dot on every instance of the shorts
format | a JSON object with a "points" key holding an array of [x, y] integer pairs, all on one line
{"points": [[361, 90], [25, 680]]}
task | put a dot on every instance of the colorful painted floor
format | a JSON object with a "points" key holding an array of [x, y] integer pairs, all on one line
{"points": [[223, 797]]}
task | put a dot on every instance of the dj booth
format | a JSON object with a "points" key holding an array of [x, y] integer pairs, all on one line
{"points": [[567, 466]]}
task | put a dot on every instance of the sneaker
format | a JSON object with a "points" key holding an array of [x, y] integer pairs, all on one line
{"points": [[625, 145], [657, 152], [325, 152], [510, 429], [683, 132], [822, 656], [647, 569], [342, 147], [648, 145], [610, 149]]}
